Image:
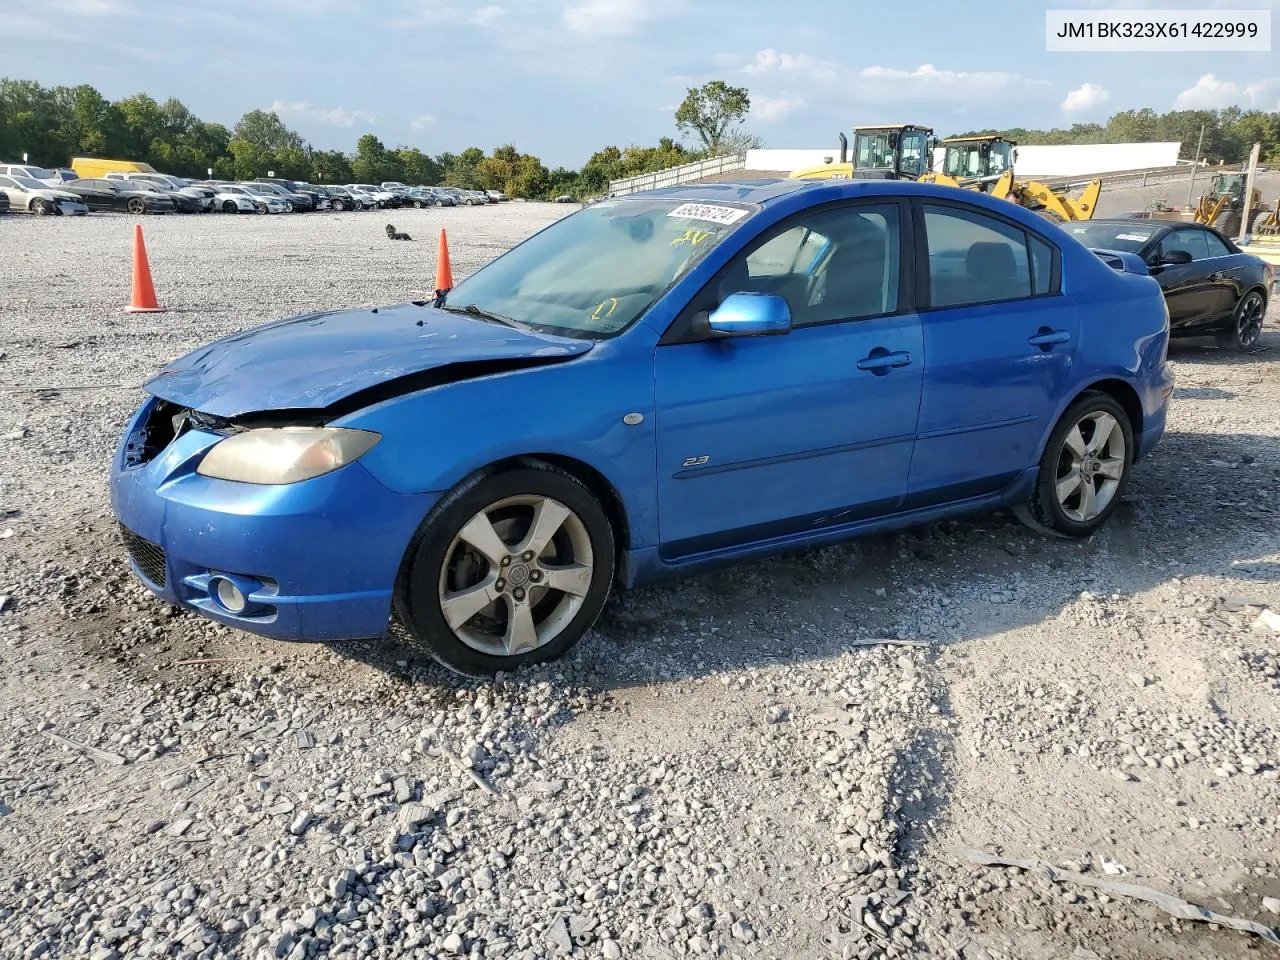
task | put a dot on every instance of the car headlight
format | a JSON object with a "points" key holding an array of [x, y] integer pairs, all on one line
{"points": [[278, 455]]}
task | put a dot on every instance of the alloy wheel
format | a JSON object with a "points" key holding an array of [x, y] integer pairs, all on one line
{"points": [[1091, 466], [516, 575], [1249, 320]]}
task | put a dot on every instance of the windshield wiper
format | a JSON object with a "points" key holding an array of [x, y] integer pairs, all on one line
{"points": [[475, 311]]}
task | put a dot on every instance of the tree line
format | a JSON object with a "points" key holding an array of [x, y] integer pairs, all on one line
{"points": [[52, 125], [1229, 134]]}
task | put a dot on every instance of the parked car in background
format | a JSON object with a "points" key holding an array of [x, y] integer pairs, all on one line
{"points": [[43, 174], [119, 195], [366, 199], [566, 198], [298, 202], [296, 188], [772, 365], [340, 198], [428, 197], [231, 199], [383, 198], [496, 196], [263, 201], [40, 197], [202, 195], [1213, 288], [395, 186], [470, 198], [185, 200]]}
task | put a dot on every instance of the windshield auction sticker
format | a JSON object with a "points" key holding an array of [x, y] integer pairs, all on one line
{"points": [[1158, 31], [713, 212]]}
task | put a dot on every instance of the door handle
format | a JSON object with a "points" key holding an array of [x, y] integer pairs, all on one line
{"points": [[882, 361], [1047, 338]]}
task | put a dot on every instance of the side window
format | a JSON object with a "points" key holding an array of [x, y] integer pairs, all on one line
{"points": [[1041, 266], [1191, 241], [840, 264], [974, 258], [1215, 246]]}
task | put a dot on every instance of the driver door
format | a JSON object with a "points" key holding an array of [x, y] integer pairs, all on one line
{"points": [[772, 436]]}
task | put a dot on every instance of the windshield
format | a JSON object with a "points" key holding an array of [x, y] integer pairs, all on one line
{"points": [[1125, 237], [592, 274], [962, 160]]}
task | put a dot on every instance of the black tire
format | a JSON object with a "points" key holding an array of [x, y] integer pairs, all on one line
{"points": [[229, 206], [41, 207], [336, 205], [417, 595], [1246, 323], [1257, 219], [1227, 222], [1043, 511], [136, 206]]}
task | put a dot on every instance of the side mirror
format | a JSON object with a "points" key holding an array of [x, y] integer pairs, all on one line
{"points": [[1176, 258], [750, 315]]}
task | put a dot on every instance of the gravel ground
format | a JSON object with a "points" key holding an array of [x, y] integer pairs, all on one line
{"points": [[723, 768]]}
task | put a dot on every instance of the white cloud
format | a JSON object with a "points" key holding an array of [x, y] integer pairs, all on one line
{"points": [[422, 122], [90, 8], [1210, 93], [927, 82], [337, 116], [1085, 98], [770, 60], [613, 17], [880, 84], [438, 13], [771, 109]]}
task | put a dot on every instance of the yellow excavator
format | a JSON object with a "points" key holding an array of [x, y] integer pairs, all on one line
{"points": [[1222, 207], [904, 152]]}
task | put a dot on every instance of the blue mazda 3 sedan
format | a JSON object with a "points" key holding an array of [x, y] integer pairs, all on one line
{"points": [[653, 385]]}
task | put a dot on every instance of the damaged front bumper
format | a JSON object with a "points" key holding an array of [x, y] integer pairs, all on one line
{"points": [[312, 561]]}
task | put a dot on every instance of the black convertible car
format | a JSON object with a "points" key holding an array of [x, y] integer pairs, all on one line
{"points": [[1213, 288], [121, 195]]}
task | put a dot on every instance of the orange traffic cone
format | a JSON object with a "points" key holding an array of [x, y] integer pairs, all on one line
{"points": [[444, 273], [144, 292]]}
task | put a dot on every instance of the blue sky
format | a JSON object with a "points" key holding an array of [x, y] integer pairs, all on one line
{"points": [[561, 78]]}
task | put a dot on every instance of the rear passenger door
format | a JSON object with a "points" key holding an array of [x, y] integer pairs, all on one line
{"points": [[999, 343]]}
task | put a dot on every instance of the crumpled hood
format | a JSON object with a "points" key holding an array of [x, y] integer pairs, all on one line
{"points": [[313, 361]]}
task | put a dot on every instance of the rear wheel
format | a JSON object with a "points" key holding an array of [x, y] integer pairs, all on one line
{"points": [[1084, 469], [418, 204], [229, 206], [1246, 323], [337, 205], [509, 569]]}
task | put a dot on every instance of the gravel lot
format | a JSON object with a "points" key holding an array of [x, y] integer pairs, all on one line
{"points": [[721, 769]]}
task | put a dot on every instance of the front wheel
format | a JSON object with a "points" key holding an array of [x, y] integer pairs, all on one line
{"points": [[1084, 469], [136, 206], [336, 206], [1246, 324], [509, 569], [262, 208], [41, 207]]}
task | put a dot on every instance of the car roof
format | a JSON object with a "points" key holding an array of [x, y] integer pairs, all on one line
{"points": [[768, 191]]}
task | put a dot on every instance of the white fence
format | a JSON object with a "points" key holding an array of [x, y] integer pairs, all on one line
{"points": [[1033, 161], [677, 175]]}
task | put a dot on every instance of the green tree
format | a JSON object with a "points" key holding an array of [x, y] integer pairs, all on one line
{"points": [[416, 167], [331, 166], [711, 110]]}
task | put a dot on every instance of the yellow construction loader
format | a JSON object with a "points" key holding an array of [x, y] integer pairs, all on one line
{"points": [[904, 152], [986, 164], [1221, 207], [880, 152]]}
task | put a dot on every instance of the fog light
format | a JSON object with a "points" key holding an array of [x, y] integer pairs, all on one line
{"points": [[229, 595]]}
